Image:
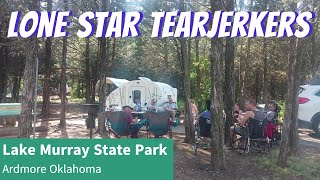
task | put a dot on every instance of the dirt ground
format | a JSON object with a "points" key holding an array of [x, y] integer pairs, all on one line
{"points": [[187, 165]]}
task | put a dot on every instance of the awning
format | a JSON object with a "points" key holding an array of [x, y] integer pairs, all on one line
{"points": [[117, 82]]}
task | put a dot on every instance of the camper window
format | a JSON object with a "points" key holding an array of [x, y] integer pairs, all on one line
{"points": [[136, 96]]}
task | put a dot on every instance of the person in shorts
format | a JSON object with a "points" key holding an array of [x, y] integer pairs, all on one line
{"points": [[242, 120]]}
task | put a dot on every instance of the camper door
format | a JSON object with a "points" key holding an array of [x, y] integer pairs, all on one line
{"points": [[138, 94]]}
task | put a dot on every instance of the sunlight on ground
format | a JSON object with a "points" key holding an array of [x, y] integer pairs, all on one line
{"points": [[76, 128]]}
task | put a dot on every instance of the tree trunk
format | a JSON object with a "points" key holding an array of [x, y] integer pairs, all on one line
{"points": [[93, 89], [63, 77], [185, 62], [245, 67], [189, 128], [17, 81], [257, 89], [285, 139], [198, 72], [3, 74], [16, 93], [15, 89], [28, 91], [166, 59], [273, 87], [229, 89], [290, 138], [294, 134], [241, 77], [314, 57], [87, 71], [1, 66], [265, 72], [217, 121], [47, 69], [103, 71], [111, 63]]}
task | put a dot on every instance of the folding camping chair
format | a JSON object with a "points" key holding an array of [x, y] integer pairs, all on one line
{"points": [[117, 124], [256, 138], [203, 131], [158, 124]]}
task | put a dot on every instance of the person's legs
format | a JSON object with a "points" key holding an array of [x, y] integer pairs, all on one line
{"points": [[134, 133], [134, 130], [237, 130], [173, 114], [233, 136], [241, 131]]}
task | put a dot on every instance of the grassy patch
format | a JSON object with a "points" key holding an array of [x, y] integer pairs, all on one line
{"points": [[304, 168]]}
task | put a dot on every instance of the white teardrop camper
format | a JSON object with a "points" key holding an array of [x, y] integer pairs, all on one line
{"points": [[128, 93]]}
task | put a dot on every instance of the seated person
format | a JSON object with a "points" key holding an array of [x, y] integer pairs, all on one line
{"points": [[152, 105], [236, 112], [272, 113], [137, 108], [172, 107], [205, 116], [194, 109], [239, 128], [133, 131], [272, 117]]}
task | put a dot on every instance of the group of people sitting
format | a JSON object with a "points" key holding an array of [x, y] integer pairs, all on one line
{"points": [[269, 113], [131, 119], [240, 118]]}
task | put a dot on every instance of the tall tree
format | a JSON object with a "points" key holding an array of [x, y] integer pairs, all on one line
{"points": [[17, 80], [185, 51], [47, 70], [4, 52], [198, 72], [87, 71], [217, 120], [229, 90], [103, 71], [290, 136], [3, 74], [265, 62], [63, 85], [28, 91], [265, 71], [314, 49], [244, 68]]}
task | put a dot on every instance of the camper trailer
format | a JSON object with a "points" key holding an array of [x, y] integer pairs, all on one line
{"points": [[128, 93]]}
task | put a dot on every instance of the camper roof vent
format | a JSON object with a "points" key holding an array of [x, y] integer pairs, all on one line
{"points": [[144, 79]]}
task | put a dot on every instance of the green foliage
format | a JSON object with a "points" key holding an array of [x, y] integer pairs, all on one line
{"points": [[76, 91], [281, 114], [180, 104], [297, 167]]}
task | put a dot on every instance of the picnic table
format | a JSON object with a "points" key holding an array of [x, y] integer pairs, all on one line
{"points": [[9, 112]]}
